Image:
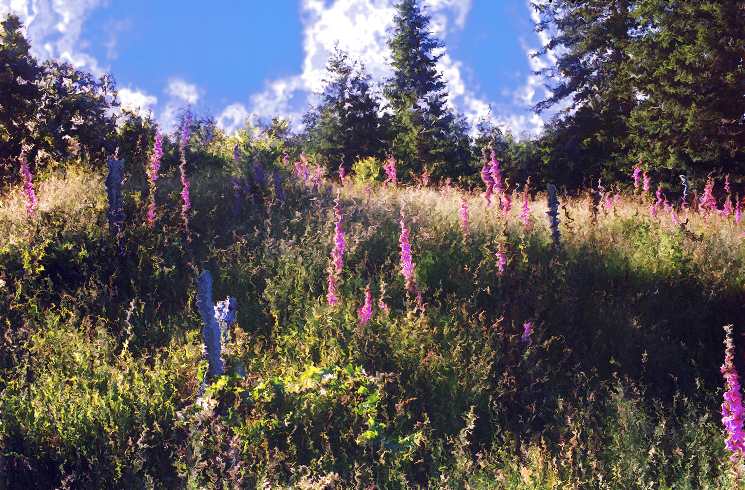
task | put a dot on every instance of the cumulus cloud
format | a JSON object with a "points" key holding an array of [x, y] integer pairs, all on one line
{"points": [[182, 90], [233, 117], [55, 28], [361, 28], [136, 100]]}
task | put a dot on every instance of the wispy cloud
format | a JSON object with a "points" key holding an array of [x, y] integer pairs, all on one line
{"points": [[186, 92], [55, 28], [136, 100]]}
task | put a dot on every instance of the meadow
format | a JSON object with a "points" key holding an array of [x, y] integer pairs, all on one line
{"points": [[502, 355]]}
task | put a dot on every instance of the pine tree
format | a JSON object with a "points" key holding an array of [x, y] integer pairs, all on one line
{"points": [[347, 124], [19, 93], [690, 72], [426, 133]]}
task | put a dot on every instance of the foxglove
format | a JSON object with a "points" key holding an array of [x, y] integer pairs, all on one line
{"points": [[527, 331], [732, 409], [337, 255], [28, 187], [390, 171], [153, 171], [364, 313]]}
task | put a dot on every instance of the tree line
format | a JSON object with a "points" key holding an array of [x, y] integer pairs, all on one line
{"points": [[656, 81]]}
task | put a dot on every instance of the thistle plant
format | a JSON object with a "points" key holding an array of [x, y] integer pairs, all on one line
{"points": [[337, 256], [28, 187], [390, 171], [153, 170], [364, 313], [185, 184], [732, 409], [553, 215], [114, 181], [210, 330]]}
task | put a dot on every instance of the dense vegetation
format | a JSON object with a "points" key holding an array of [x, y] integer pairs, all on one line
{"points": [[406, 316]]}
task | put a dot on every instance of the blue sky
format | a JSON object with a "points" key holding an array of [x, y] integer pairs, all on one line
{"points": [[238, 60]]}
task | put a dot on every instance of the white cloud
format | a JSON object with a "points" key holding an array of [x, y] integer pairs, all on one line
{"points": [[136, 100], [183, 91], [362, 28], [55, 28], [233, 118]]}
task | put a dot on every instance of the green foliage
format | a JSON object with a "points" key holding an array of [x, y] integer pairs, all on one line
{"points": [[367, 170]]}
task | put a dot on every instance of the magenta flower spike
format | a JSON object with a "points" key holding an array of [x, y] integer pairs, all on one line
{"points": [[738, 211], [153, 171], [501, 260], [732, 409], [342, 173], [708, 202], [185, 184], [364, 313], [28, 187], [525, 211], [727, 189], [527, 331], [463, 213], [390, 171], [506, 199], [407, 264], [488, 182], [637, 176], [496, 173], [646, 183], [337, 255]]}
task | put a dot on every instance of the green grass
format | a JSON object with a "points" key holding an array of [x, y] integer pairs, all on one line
{"points": [[101, 365]]}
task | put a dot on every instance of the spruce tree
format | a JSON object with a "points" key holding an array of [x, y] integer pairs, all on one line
{"points": [[346, 125], [426, 133]]}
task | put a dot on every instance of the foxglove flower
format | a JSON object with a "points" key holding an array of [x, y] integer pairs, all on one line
{"points": [[501, 260], [527, 331], [738, 211], [364, 313], [674, 216], [727, 189], [342, 173], [732, 409], [301, 168], [646, 183], [488, 182], [728, 209], [495, 173], [637, 176], [407, 263], [114, 181], [525, 211], [28, 187], [463, 213], [390, 171], [553, 214], [185, 184], [210, 330], [708, 203], [337, 255], [153, 171], [506, 200]]}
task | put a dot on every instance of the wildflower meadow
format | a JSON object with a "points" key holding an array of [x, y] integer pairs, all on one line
{"points": [[184, 306]]}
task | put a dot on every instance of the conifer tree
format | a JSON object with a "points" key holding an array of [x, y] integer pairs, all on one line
{"points": [[347, 124], [426, 132]]}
